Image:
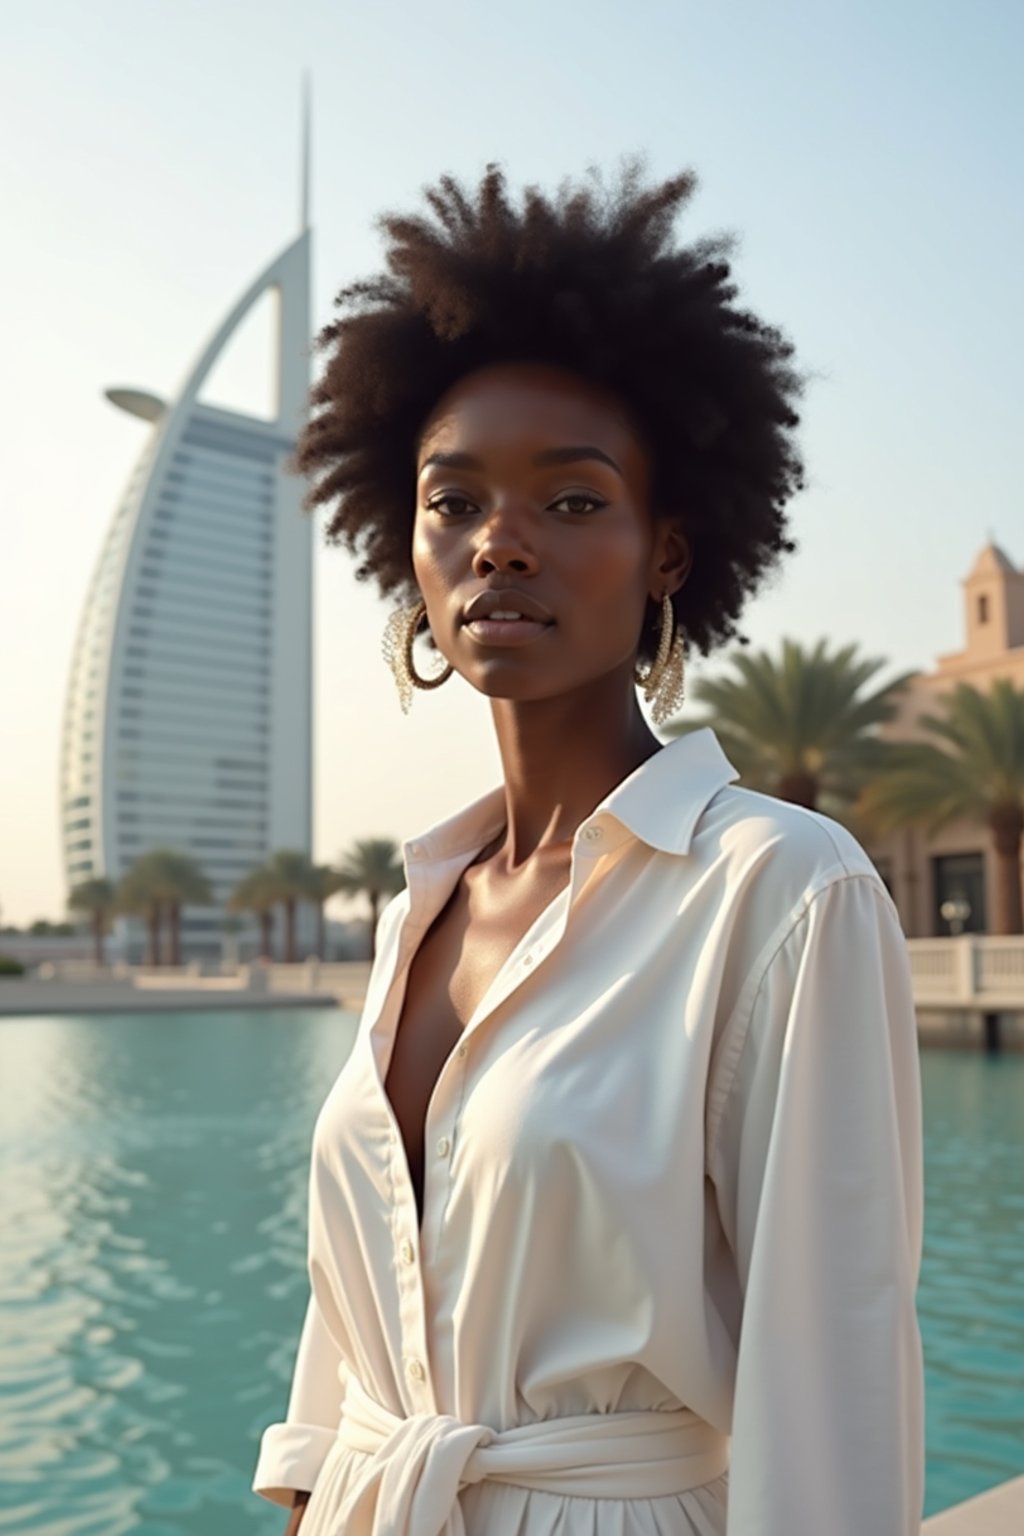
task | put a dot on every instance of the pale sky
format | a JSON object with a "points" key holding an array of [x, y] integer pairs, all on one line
{"points": [[869, 156]]}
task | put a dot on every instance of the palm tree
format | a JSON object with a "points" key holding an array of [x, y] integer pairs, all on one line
{"points": [[801, 727], [257, 893], [138, 895], [97, 897], [182, 882], [973, 770], [323, 884], [372, 868], [163, 880], [289, 874]]}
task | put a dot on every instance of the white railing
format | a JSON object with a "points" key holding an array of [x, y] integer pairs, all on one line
{"points": [[973, 971], [346, 979]]}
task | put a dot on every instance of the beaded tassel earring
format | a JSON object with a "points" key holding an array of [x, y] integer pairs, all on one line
{"points": [[663, 683], [399, 634]]}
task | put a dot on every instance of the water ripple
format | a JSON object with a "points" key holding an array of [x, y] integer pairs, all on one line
{"points": [[152, 1281]]}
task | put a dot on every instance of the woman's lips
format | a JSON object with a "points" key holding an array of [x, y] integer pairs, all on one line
{"points": [[505, 631]]}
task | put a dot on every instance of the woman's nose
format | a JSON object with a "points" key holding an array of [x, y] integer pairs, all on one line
{"points": [[505, 543]]}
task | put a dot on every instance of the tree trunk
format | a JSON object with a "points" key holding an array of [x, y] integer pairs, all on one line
{"points": [[799, 788], [289, 929], [174, 920], [266, 919], [97, 937], [1007, 823], [153, 925], [320, 927]]}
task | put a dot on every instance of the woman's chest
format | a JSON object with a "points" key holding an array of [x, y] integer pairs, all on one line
{"points": [[562, 1118], [448, 977], [583, 1071]]}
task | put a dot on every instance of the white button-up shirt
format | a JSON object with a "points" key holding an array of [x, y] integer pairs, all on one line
{"points": [[665, 1279]]}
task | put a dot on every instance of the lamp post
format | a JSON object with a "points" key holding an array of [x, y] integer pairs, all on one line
{"points": [[955, 911]]}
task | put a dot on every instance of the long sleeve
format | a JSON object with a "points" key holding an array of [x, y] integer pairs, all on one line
{"points": [[816, 1159], [292, 1452]]}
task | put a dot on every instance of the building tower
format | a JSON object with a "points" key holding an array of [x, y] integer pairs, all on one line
{"points": [[994, 600], [188, 714]]}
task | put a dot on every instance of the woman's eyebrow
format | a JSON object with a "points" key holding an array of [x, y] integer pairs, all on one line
{"points": [[451, 461], [574, 455], [568, 455]]}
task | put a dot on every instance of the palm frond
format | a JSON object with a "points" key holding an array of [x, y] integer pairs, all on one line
{"points": [[802, 713]]}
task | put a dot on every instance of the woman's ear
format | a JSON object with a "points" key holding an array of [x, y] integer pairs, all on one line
{"points": [[673, 552]]}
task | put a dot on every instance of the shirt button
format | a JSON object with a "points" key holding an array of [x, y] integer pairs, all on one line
{"points": [[527, 959], [415, 1370], [406, 1251], [461, 1050], [593, 834], [443, 1147]]}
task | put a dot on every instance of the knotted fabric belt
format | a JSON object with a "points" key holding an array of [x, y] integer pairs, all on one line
{"points": [[410, 1484]]}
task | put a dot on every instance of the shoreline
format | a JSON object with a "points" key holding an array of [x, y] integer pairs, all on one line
{"points": [[343, 985], [43, 1000]]}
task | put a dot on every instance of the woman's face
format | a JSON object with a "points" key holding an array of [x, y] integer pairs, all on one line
{"points": [[533, 482]]}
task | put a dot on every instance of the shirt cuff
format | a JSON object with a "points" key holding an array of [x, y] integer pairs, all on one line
{"points": [[290, 1459]]}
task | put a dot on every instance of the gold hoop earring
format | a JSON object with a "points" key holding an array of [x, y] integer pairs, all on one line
{"points": [[399, 635], [663, 682]]}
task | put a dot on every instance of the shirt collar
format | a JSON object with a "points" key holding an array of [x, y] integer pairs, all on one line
{"points": [[660, 803]]}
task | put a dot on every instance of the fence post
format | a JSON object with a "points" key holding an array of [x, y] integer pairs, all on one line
{"points": [[965, 968]]}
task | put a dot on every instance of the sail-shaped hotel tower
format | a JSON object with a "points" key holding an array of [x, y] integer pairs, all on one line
{"points": [[188, 716]]}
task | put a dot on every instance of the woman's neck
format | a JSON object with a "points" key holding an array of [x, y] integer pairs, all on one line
{"points": [[560, 757]]}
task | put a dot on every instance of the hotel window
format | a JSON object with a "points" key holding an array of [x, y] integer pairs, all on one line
{"points": [[983, 609]]}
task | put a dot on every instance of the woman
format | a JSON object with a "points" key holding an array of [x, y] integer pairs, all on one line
{"points": [[616, 1207]]}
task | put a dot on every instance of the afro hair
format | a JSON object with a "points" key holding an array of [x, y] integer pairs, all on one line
{"points": [[589, 280]]}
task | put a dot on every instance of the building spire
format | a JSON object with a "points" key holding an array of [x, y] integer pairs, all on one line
{"points": [[304, 208]]}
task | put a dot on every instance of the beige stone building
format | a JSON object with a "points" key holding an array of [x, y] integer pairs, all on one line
{"points": [[958, 863]]}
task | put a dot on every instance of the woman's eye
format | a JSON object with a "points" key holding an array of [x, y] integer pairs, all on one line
{"points": [[458, 504], [578, 501]]}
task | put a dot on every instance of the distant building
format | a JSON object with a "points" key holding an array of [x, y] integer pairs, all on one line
{"points": [[923, 873], [188, 715]]}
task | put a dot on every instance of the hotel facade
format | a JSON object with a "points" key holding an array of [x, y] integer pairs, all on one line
{"points": [[925, 873], [188, 713]]}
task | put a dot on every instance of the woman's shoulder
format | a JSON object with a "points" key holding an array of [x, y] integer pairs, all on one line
{"points": [[787, 852]]}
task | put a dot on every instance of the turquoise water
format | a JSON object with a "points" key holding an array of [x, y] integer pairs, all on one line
{"points": [[152, 1279], [970, 1301]]}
